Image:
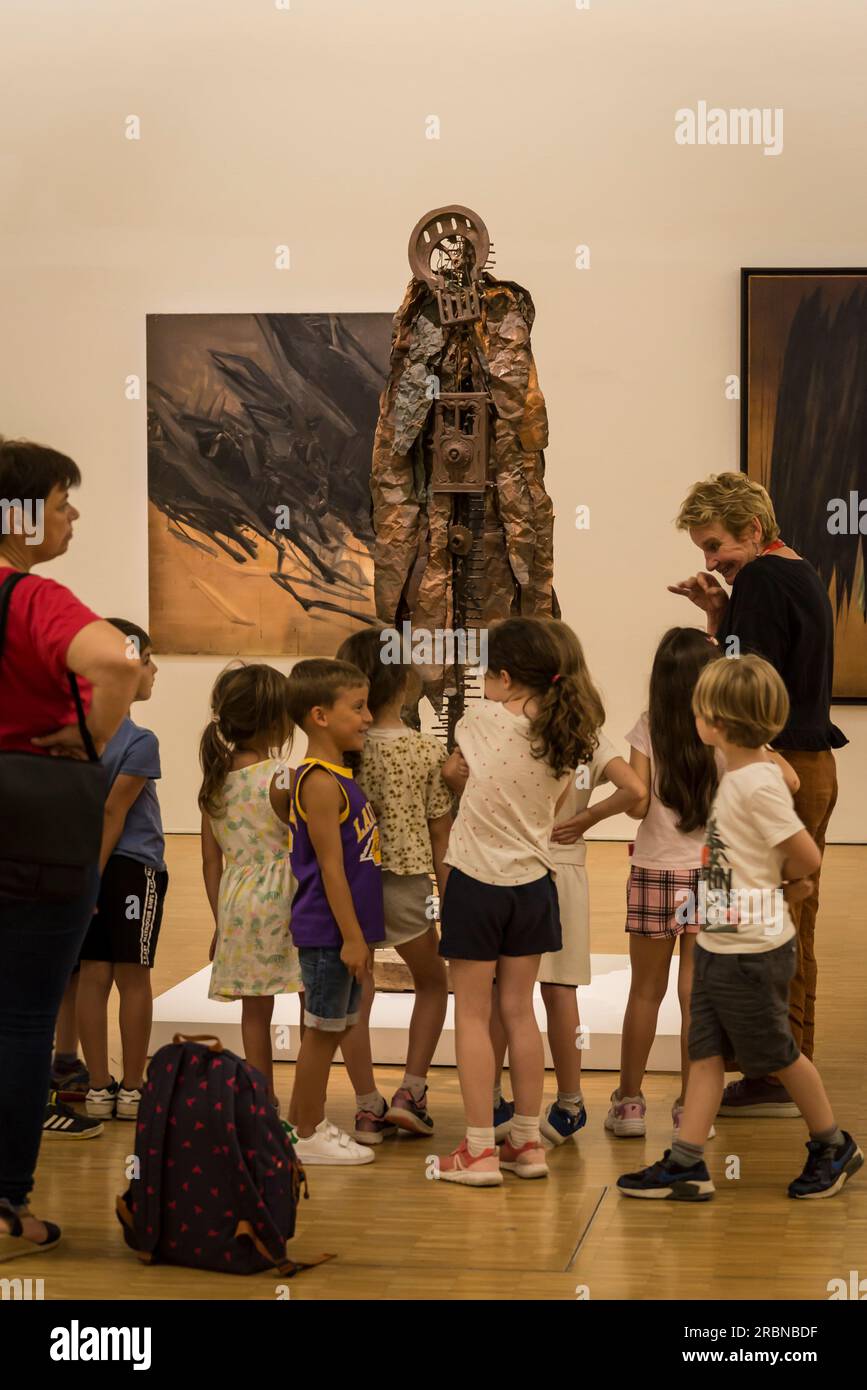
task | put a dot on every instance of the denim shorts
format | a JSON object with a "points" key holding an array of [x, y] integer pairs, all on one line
{"points": [[331, 992]]}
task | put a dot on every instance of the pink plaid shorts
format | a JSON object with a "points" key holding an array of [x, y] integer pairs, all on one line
{"points": [[653, 897]]}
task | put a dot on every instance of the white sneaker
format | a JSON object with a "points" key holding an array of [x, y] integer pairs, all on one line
{"points": [[99, 1104], [128, 1103], [329, 1145], [627, 1116]]}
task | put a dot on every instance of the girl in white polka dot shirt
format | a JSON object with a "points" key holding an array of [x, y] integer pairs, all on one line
{"points": [[499, 912]]}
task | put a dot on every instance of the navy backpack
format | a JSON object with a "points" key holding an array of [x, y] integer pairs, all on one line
{"points": [[217, 1182]]}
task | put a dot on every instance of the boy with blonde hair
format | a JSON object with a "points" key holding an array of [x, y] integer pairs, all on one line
{"points": [[757, 852]]}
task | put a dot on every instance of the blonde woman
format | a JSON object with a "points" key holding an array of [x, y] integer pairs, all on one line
{"points": [[779, 609]]}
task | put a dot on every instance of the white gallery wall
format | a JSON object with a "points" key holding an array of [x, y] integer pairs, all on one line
{"points": [[308, 125]]}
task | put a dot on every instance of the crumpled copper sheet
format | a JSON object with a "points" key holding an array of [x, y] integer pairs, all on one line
{"points": [[413, 565]]}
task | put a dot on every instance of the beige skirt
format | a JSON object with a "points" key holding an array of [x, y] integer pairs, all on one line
{"points": [[571, 964]]}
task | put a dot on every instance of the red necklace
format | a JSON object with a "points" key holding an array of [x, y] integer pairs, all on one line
{"points": [[774, 545]]}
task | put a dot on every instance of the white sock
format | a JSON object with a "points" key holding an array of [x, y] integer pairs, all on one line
{"points": [[374, 1102], [416, 1085], [570, 1102], [524, 1130], [479, 1139]]}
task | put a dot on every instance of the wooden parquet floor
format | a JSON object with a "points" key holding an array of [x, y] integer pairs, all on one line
{"points": [[397, 1235]]}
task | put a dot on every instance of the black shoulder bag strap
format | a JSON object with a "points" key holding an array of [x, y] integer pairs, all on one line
{"points": [[6, 590]]}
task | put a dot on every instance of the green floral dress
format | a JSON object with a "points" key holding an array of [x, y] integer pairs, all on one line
{"points": [[254, 953]]}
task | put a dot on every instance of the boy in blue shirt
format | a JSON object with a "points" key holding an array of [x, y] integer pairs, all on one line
{"points": [[121, 942]]}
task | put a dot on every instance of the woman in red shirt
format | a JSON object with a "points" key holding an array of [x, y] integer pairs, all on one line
{"points": [[48, 633]]}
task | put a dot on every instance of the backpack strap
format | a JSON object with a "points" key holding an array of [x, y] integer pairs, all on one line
{"points": [[214, 1044], [6, 588], [285, 1266]]}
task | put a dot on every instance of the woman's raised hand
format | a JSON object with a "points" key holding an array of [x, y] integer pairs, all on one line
{"points": [[705, 591]]}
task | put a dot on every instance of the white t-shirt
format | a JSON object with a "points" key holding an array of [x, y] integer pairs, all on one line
{"points": [[502, 833], [658, 842], [584, 779], [751, 815]]}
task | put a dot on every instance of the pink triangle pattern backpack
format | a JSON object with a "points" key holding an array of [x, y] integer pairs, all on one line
{"points": [[217, 1182]]}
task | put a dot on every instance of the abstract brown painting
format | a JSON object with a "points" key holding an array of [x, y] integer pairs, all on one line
{"points": [[260, 435]]}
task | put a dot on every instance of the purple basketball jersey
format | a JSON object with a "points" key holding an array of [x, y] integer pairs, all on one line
{"points": [[313, 922]]}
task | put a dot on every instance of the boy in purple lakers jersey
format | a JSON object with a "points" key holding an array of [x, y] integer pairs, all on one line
{"points": [[337, 911]]}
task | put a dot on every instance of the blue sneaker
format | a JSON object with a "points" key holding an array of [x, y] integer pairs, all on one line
{"points": [[668, 1180], [558, 1124], [503, 1119], [827, 1169]]}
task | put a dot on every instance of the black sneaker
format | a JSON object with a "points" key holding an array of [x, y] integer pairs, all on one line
{"points": [[59, 1119], [827, 1168], [669, 1181]]}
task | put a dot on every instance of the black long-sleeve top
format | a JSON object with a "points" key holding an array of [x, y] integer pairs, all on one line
{"points": [[780, 610]]}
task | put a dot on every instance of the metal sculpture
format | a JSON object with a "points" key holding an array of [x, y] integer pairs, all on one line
{"points": [[463, 524]]}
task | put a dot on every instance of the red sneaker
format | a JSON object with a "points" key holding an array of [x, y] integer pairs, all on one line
{"points": [[460, 1166], [526, 1162]]}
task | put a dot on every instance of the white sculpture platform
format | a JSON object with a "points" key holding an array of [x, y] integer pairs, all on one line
{"points": [[187, 1009]]}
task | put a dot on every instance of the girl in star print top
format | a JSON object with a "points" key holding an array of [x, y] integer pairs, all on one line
{"points": [[399, 769], [499, 912]]}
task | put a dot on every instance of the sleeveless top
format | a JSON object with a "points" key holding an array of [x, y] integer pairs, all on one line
{"points": [[313, 923]]}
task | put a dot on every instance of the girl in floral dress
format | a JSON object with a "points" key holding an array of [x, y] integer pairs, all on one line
{"points": [[245, 851]]}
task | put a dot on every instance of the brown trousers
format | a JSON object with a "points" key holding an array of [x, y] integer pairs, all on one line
{"points": [[814, 801]]}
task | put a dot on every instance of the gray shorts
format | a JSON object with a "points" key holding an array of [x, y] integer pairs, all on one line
{"points": [[740, 1008], [407, 900]]}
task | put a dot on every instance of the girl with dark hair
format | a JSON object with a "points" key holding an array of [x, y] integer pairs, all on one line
{"points": [[245, 851], [399, 773], [680, 776], [499, 912]]}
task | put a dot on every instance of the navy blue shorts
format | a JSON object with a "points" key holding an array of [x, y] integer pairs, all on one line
{"points": [[481, 921]]}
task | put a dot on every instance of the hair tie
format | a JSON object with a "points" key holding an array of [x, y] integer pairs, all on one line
{"points": [[215, 719], [554, 679]]}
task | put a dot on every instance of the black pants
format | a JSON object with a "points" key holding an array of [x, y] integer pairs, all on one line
{"points": [[39, 945]]}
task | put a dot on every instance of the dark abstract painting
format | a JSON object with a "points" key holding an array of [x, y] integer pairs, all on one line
{"points": [[260, 434], [804, 433]]}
